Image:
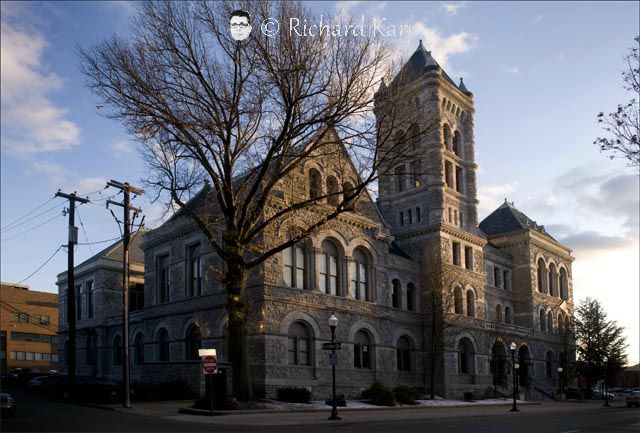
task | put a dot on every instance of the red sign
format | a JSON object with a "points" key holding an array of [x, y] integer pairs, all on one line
{"points": [[210, 364]]}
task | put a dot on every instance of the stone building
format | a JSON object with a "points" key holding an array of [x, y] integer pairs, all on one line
{"points": [[507, 279]]}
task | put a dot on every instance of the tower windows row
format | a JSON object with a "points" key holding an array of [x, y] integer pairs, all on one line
{"points": [[455, 217], [552, 282], [407, 180], [452, 108], [397, 298], [459, 303], [457, 255], [332, 189], [452, 141], [506, 318], [501, 278], [410, 216], [453, 176]]}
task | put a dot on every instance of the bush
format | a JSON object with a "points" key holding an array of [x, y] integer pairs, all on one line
{"points": [[294, 395], [379, 395], [574, 393], [405, 394], [340, 401]]}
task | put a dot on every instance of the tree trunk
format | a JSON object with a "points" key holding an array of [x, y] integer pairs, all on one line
{"points": [[234, 281]]}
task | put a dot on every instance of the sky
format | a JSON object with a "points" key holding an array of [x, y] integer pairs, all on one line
{"points": [[540, 72]]}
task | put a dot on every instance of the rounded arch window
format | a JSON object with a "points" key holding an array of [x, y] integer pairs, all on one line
{"points": [[471, 304], [395, 293], [138, 349], [508, 315], [564, 284], [498, 313], [542, 274], [360, 275], [457, 144], [329, 268], [411, 297], [553, 280], [298, 344], [403, 354], [333, 191], [294, 266], [466, 356], [315, 184], [193, 343], [457, 295], [362, 356], [117, 350], [163, 345], [447, 137], [543, 326], [549, 322]]}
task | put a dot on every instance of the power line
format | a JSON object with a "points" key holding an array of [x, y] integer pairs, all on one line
{"points": [[100, 242], [84, 231], [41, 266], [44, 212], [30, 212], [32, 228]]}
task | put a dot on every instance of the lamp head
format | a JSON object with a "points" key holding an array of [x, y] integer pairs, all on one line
{"points": [[560, 369], [333, 320], [513, 346]]}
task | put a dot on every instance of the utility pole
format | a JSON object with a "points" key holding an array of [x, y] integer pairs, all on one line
{"points": [[71, 284], [126, 205]]}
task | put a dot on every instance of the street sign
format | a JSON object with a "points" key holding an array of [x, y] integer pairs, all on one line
{"points": [[330, 346], [210, 364]]}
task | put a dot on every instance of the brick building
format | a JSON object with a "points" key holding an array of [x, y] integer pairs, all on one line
{"points": [[28, 328]]}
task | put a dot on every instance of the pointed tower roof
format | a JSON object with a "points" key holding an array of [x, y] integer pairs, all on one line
{"points": [[507, 218], [462, 87], [414, 67]]}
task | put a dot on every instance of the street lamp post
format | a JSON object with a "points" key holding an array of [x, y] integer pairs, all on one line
{"points": [[560, 370], [515, 366], [606, 387], [333, 323]]}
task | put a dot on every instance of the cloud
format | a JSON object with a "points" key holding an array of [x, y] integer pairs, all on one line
{"points": [[538, 18], [31, 122], [344, 8], [491, 197], [589, 241], [122, 149], [452, 8], [512, 70], [442, 47]]}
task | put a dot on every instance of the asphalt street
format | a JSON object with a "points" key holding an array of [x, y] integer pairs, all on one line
{"points": [[36, 413]]}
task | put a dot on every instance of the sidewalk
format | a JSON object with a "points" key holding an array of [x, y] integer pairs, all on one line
{"points": [[289, 417]]}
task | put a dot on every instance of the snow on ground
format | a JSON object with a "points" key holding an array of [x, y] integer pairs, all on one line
{"points": [[357, 404]]}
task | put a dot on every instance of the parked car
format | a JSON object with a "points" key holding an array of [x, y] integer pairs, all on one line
{"points": [[633, 399], [35, 384], [7, 405], [596, 393], [87, 388]]}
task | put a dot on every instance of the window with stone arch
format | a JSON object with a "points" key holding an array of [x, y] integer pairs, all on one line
{"points": [[299, 344], [360, 274], [395, 293], [457, 144], [466, 357], [447, 137], [457, 300], [193, 343], [362, 351], [117, 350], [553, 280], [294, 273], [333, 191], [403, 354], [163, 345], [508, 315], [411, 297], [315, 184], [560, 323], [330, 268], [542, 276], [549, 321], [471, 303], [564, 284], [543, 325], [548, 365], [498, 313]]}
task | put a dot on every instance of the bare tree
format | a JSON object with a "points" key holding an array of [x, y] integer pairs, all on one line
{"points": [[623, 125], [235, 120], [438, 277]]}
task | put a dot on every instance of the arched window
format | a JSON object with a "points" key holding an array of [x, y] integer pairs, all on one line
{"points": [[89, 351], [163, 345], [359, 276], [564, 284], [403, 354], [138, 349], [567, 324], [457, 144], [298, 345], [117, 350], [499, 367], [549, 365], [457, 296], [498, 313], [347, 190], [542, 276], [560, 323], [466, 357], [508, 315], [471, 304], [411, 296], [193, 343], [315, 184], [294, 267], [362, 351], [401, 178], [553, 280], [446, 134], [395, 294], [549, 322], [329, 269], [333, 191], [543, 326], [414, 135]]}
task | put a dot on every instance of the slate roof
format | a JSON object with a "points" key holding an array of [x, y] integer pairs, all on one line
{"points": [[507, 219], [397, 251], [414, 67], [114, 251]]}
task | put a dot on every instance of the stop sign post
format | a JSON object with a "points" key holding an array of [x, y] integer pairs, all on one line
{"points": [[210, 367]]}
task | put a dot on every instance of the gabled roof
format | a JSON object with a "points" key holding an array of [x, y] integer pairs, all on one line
{"points": [[508, 219], [114, 251], [397, 251], [414, 67]]}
